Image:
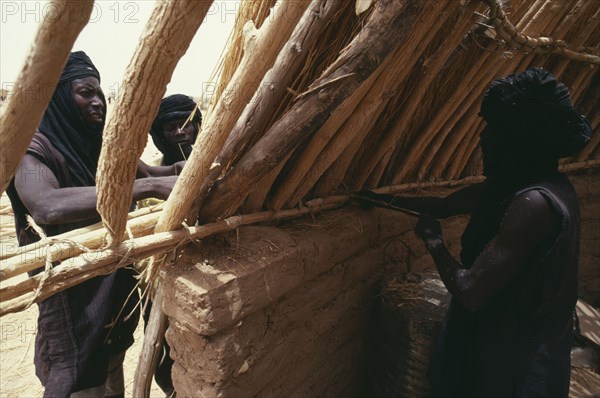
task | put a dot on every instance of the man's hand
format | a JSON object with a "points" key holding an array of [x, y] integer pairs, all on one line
{"points": [[428, 229], [179, 166], [153, 187], [163, 186]]}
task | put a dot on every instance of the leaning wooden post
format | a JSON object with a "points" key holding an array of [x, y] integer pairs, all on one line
{"points": [[168, 34], [37, 80]]}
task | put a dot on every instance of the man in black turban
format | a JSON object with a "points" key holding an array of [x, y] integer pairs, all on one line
{"points": [[175, 128], [509, 328], [82, 331]]}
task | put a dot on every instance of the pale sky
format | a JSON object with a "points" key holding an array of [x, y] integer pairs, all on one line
{"points": [[110, 39]]}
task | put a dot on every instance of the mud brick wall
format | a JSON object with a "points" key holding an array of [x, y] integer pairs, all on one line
{"points": [[283, 311], [587, 185], [289, 310]]}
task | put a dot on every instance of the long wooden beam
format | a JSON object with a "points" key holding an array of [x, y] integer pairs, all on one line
{"points": [[37, 80], [167, 36]]}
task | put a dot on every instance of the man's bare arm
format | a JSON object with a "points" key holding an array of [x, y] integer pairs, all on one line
{"points": [[527, 222], [144, 170], [462, 201], [48, 203]]}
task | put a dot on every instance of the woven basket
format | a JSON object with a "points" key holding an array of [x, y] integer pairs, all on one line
{"points": [[412, 309]]}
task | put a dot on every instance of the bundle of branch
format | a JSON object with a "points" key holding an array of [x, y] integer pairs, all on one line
{"points": [[385, 29], [21, 295], [73, 243], [390, 96]]}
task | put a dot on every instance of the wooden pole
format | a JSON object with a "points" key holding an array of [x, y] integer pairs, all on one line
{"points": [[167, 36], [37, 80]]}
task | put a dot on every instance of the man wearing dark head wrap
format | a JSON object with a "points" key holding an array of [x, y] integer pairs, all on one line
{"points": [[509, 328], [175, 128], [81, 339]]}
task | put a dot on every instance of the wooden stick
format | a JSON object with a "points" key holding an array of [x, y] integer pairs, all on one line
{"points": [[155, 332], [37, 80], [167, 36]]}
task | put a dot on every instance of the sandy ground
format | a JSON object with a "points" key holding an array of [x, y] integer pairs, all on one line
{"points": [[17, 376], [17, 338]]}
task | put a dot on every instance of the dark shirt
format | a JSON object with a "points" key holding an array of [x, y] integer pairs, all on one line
{"points": [[74, 339], [519, 344]]}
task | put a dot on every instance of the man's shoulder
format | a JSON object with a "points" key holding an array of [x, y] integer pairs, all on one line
{"points": [[43, 149]]}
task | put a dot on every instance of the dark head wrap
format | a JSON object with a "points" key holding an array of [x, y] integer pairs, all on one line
{"points": [[79, 65], [173, 107], [64, 126], [533, 111]]}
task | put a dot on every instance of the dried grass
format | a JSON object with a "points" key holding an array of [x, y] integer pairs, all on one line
{"points": [[256, 11], [584, 383]]}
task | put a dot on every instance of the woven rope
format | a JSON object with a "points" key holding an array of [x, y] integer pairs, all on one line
{"points": [[507, 32]]}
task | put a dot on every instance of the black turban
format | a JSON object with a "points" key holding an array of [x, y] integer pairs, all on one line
{"points": [[76, 140], [173, 107], [533, 110], [79, 65]]}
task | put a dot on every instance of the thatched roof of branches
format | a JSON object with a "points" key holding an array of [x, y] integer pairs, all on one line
{"points": [[316, 99]]}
